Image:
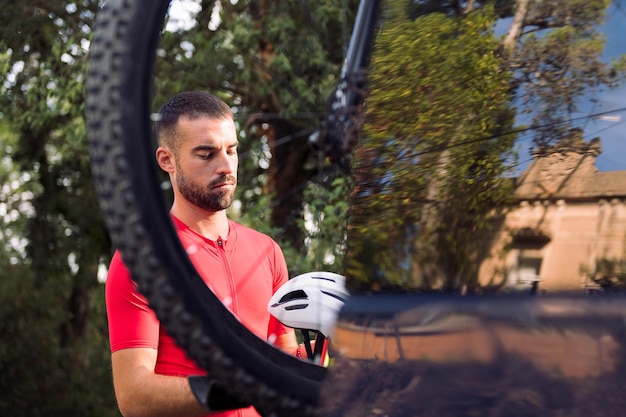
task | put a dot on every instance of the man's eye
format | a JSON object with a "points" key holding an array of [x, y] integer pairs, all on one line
{"points": [[206, 156]]}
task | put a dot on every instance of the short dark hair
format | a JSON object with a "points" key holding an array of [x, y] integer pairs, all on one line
{"points": [[192, 104]]}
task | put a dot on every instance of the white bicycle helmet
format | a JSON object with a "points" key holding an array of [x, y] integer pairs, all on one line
{"points": [[310, 301]]}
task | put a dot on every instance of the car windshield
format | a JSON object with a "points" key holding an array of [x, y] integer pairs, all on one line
{"points": [[492, 154]]}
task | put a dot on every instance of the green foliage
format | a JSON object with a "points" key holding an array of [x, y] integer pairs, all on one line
{"points": [[54, 354], [41, 376], [416, 8], [428, 174], [562, 61], [610, 274], [324, 225], [444, 94], [327, 205]]}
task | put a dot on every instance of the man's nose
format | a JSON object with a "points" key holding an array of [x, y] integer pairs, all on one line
{"points": [[227, 164]]}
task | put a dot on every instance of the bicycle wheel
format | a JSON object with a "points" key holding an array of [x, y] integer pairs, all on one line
{"points": [[119, 93]]}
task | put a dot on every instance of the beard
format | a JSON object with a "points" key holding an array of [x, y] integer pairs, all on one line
{"points": [[204, 196]]}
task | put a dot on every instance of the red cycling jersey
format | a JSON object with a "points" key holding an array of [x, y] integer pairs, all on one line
{"points": [[243, 271]]}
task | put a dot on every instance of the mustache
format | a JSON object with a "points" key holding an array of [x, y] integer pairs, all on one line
{"points": [[223, 179]]}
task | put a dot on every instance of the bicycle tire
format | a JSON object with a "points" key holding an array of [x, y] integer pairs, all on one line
{"points": [[119, 92]]}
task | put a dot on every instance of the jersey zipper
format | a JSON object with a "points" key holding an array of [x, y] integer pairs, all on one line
{"points": [[231, 280]]}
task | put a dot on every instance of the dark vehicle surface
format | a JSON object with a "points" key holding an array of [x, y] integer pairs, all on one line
{"points": [[440, 356], [486, 239]]}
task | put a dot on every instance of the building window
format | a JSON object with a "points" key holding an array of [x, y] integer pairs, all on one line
{"points": [[524, 274]]}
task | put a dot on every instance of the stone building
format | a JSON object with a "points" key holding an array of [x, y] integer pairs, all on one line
{"points": [[569, 222]]}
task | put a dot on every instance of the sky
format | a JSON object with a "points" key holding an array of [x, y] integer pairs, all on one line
{"points": [[613, 131], [610, 128]]}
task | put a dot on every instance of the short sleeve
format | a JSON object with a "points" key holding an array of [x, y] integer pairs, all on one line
{"points": [[132, 324]]}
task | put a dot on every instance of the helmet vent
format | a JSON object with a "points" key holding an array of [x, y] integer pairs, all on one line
{"points": [[293, 295], [297, 307], [325, 279], [330, 294]]}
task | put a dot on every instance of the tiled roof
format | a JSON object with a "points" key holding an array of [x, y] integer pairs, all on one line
{"points": [[610, 184], [567, 170]]}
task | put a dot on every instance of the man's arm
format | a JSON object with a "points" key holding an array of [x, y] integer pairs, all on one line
{"points": [[142, 393]]}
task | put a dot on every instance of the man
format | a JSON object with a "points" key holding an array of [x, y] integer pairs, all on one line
{"points": [[198, 149]]}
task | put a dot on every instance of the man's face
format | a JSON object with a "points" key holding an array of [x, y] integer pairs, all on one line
{"points": [[206, 163]]}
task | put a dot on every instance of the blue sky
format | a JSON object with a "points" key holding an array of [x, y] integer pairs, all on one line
{"points": [[612, 133], [611, 128]]}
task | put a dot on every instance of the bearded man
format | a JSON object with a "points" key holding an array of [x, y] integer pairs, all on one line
{"points": [[197, 148]]}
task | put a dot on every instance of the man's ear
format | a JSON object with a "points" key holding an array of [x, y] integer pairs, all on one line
{"points": [[165, 159]]}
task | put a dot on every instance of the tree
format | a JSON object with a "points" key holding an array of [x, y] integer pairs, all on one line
{"points": [[52, 234], [554, 49], [259, 58], [434, 89], [276, 63], [444, 94]]}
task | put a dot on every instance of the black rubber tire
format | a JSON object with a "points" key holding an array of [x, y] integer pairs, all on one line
{"points": [[119, 94]]}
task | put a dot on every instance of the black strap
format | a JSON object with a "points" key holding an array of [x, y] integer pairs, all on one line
{"points": [[307, 343], [319, 347]]}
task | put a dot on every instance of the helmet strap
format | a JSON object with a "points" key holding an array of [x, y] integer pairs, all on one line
{"points": [[307, 343]]}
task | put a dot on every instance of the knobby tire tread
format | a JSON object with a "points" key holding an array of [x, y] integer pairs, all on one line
{"points": [[119, 92]]}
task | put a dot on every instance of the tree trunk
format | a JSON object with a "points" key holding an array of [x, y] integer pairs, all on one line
{"points": [[286, 180], [515, 31], [286, 175]]}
